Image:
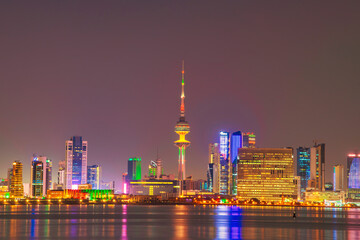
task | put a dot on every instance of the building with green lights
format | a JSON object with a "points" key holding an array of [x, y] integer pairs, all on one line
{"points": [[134, 169]]}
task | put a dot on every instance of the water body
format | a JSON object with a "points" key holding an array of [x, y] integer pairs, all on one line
{"points": [[176, 222]]}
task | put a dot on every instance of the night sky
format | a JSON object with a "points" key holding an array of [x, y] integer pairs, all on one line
{"points": [[111, 72]]}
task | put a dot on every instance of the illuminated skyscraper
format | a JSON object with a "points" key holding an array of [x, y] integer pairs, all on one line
{"points": [[225, 163], [17, 188], [94, 176], [182, 128], [266, 174], [317, 167], [213, 168], [134, 169], [48, 165], [303, 166], [339, 177], [248, 140], [38, 176], [353, 177], [76, 162], [61, 173], [235, 143]]}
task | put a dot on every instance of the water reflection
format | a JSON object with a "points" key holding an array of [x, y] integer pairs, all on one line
{"points": [[176, 222], [228, 221]]}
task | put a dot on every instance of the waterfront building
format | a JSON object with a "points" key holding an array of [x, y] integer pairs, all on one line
{"points": [[9, 177], [225, 163], [76, 162], [213, 168], [61, 173], [303, 166], [38, 176], [235, 144], [339, 177], [94, 176], [17, 188], [134, 169], [182, 128], [125, 182], [317, 167], [266, 174], [334, 197], [153, 187], [353, 177], [248, 140], [48, 166]]}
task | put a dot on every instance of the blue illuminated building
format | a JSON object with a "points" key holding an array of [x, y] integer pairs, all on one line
{"points": [[94, 176], [353, 177], [303, 166], [224, 163], [236, 143], [76, 162]]}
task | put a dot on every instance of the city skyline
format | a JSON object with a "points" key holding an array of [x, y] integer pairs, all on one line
{"points": [[128, 101]]}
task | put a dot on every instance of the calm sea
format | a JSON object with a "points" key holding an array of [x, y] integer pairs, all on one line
{"points": [[176, 222]]}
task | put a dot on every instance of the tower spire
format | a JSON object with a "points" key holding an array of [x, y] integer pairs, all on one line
{"points": [[182, 107]]}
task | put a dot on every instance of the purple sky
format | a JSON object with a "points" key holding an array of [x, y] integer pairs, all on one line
{"points": [[110, 71]]}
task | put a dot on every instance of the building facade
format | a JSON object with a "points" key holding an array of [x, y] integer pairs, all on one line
{"points": [[134, 169], [38, 176], [153, 187], [303, 166], [76, 162], [225, 163], [317, 167], [17, 188], [213, 177], [248, 140], [266, 174], [235, 144], [353, 177], [94, 176], [61, 173], [339, 178]]}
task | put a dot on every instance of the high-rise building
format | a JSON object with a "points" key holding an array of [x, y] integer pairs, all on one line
{"points": [[213, 168], [61, 173], [48, 165], [125, 182], [182, 128], [353, 177], [152, 169], [339, 178], [38, 176], [266, 174], [94, 176], [317, 167], [248, 140], [134, 169], [9, 177], [303, 166], [159, 168], [76, 162], [225, 163], [235, 144], [17, 188]]}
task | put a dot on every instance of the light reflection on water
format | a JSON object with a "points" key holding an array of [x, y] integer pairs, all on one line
{"points": [[176, 222]]}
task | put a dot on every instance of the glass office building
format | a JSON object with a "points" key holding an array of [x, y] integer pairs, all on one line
{"points": [[266, 174], [303, 166]]}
